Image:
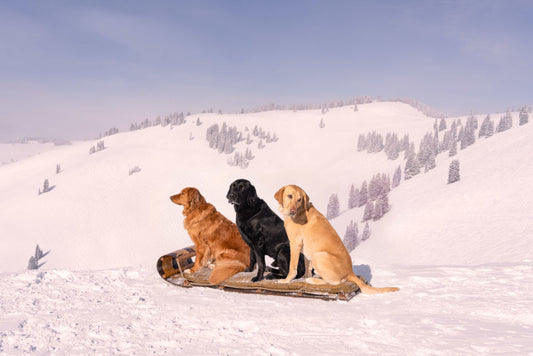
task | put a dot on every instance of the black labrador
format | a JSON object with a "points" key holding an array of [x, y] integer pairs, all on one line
{"points": [[263, 231]]}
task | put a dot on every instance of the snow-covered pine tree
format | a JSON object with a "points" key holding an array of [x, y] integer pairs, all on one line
{"points": [[453, 173], [468, 137], [38, 252], [392, 146], [333, 207], [442, 125], [322, 124], [487, 127], [248, 139], [361, 143], [100, 145], [58, 169], [506, 122], [381, 207], [32, 263], [46, 186], [350, 237], [453, 148], [211, 135], [430, 163], [523, 116], [369, 211], [366, 233], [363, 194], [397, 177], [412, 167], [248, 154], [353, 197]]}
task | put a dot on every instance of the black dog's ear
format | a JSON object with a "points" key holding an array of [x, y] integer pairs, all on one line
{"points": [[252, 196]]}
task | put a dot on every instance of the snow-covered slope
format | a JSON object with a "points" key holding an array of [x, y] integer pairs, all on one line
{"points": [[461, 253], [99, 216]]}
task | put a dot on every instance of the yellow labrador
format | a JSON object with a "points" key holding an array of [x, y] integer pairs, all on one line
{"points": [[309, 230]]}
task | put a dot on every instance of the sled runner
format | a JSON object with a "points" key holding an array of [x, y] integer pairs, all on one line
{"points": [[172, 265]]}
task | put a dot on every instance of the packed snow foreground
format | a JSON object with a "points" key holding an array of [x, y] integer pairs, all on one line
{"points": [[460, 252]]}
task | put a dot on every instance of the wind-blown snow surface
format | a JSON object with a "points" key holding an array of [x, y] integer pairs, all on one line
{"points": [[461, 253]]}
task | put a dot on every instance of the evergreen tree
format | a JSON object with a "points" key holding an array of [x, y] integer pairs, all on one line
{"points": [[430, 163], [381, 207], [361, 143], [46, 186], [363, 194], [442, 125], [523, 116], [453, 173], [32, 263], [38, 252], [487, 127], [506, 122], [468, 137], [58, 169], [396, 179], [366, 233], [353, 197], [453, 148], [333, 207], [369, 211], [322, 124], [412, 167], [350, 237]]}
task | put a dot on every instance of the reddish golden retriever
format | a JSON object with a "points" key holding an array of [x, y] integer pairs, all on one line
{"points": [[218, 242]]}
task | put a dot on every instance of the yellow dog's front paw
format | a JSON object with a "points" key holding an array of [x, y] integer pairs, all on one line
{"points": [[285, 280]]}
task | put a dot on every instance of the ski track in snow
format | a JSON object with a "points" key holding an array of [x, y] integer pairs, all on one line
{"points": [[130, 311]]}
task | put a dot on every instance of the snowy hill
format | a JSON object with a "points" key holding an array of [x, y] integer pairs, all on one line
{"points": [[459, 244], [99, 216]]}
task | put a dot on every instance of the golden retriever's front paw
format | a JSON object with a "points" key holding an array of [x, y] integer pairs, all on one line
{"points": [[188, 271], [284, 280], [211, 266]]}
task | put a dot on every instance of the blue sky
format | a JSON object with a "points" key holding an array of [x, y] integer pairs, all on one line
{"points": [[74, 69]]}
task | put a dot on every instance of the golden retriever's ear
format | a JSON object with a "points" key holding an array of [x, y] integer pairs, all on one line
{"points": [[195, 198], [279, 196]]}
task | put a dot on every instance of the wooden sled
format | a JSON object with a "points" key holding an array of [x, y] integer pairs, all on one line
{"points": [[172, 265]]}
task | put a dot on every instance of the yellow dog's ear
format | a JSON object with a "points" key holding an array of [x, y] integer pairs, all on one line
{"points": [[279, 196], [307, 203]]}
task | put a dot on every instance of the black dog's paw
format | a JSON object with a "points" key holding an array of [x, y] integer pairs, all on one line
{"points": [[257, 279], [274, 276]]}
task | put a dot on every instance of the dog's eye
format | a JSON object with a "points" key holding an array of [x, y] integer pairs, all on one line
{"points": [[289, 196], [299, 200], [243, 187]]}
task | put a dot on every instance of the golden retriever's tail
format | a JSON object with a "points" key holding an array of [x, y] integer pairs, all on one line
{"points": [[366, 289], [224, 270]]}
